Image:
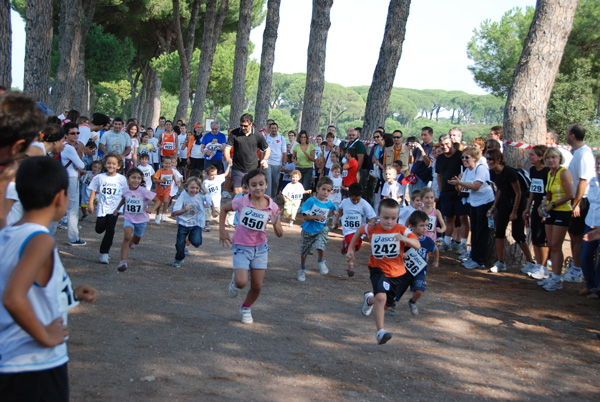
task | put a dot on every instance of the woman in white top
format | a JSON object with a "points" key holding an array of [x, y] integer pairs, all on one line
{"points": [[592, 220], [476, 190]]}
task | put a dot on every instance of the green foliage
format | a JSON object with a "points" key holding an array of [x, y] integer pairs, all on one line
{"points": [[339, 101], [111, 97], [106, 57], [496, 47], [284, 121]]}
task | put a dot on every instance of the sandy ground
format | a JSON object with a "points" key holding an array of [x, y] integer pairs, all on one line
{"points": [[162, 333]]}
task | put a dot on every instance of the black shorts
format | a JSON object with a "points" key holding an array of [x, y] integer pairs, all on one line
{"points": [[182, 163], [559, 218], [503, 218], [392, 287], [577, 225], [538, 228], [451, 205], [45, 385]]}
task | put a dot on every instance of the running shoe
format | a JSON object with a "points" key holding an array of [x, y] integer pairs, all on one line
{"points": [[177, 263], [104, 259], [470, 264], [77, 242], [323, 268], [132, 245], [529, 267], [233, 291], [163, 218], [383, 336], [366, 308], [445, 247], [157, 219], [122, 266], [186, 250], [414, 309], [461, 249], [539, 273], [350, 272], [302, 275], [498, 267], [552, 285], [572, 275], [246, 313], [545, 281]]}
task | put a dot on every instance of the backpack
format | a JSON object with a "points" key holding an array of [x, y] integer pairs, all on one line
{"points": [[524, 182]]}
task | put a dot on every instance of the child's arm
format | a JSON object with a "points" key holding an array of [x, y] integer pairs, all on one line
{"points": [[277, 224], [409, 241], [91, 204], [350, 252], [227, 170], [224, 238], [155, 204], [314, 217], [181, 211], [116, 212], [436, 258], [441, 229], [34, 266]]}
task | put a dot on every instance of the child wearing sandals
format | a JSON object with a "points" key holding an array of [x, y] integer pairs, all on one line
{"points": [[249, 243]]}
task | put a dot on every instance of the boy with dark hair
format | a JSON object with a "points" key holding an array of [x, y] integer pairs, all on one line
{"points": [[36, 290], [386, 263]]}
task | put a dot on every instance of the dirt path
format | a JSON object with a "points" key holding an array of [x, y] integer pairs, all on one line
{"points": [[163, 333]]}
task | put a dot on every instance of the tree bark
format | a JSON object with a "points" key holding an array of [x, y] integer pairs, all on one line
{"points": [[267, 59], [69, 41], [527, 102], [38, 47], [82, 84], [5, 44], [185, 55], [238, 88], [315, 69], [213, 23], [385, 71], [155, 100]]}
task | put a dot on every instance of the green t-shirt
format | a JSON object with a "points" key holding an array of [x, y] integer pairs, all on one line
{"points": [[303, 161]]}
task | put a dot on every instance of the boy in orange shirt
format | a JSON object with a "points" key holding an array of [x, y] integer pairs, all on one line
{"points": [[163, 180], [386, 263]]}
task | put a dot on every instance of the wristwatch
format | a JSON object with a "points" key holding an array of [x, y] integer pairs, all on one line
{"points": [[553, 204]]}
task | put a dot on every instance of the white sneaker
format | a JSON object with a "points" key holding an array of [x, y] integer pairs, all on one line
{"points": [[470, 264], [552, 285], [302, 275], [461, 249], [414, 309], [545, 281], [466, 256], [206, 228], [444, 247], [539, 273], [498, 267], [233, 291], [529, 267], [246, 313], [323, 268], [291, 223], [366, 308], [572, 275], [383, 336], [104, 259], [163, 218], [157, 219]]}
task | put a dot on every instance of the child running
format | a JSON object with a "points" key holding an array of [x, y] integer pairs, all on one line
{"points": [[109, 186], [135, 199], [147, 170], [292, 196], [386, 263], [336, 194], [163, 179], [212, 185], [314, 228], [189, 209], [415, 205], [36, 290], [434, 218], [354, 211], [249, 243]]}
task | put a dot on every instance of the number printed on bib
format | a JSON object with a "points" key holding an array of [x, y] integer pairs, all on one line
{"points": [[134, 205], [431, 223], [352, 221], [385, 246], [537, 186], [336, 189], [415, 263], [169, 146], [315, 210], [67, 298], [168, 178], [213, 189], [254, 219], [109, 189], [345, 173]]}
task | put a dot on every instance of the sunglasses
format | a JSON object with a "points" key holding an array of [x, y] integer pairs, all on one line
{"points": [[376, 136], [77, 133], [244, 125], [465, 157], [397, 138]]}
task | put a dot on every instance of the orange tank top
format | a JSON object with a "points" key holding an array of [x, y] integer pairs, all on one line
{"points": [[168, 143]]}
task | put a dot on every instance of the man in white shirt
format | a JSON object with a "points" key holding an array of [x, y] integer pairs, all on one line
{"points": [[278, 148], [582, 168], [74, 165]]}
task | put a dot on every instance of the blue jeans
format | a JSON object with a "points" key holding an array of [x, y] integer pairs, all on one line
{"points": [[195, 235], [590, 273], [273, 173]]}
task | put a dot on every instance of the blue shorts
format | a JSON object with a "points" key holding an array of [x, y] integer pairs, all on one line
{"points": [[451, 205], [418, 282], [138, 228], [247, 257]]}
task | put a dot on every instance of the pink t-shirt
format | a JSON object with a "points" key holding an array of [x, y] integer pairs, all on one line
{"points": [[252, 223], [136, 202]]}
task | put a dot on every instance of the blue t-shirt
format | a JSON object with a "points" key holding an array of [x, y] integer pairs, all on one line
{"points": [[221, 139], [427, 246], [313, 206]]}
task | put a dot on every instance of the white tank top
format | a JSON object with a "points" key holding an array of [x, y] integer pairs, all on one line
{"points": [[19, 352]]}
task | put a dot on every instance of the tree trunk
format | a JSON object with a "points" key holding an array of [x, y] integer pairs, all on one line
{"points": [[212, 30], [82, 94], [185, 55], [267, 59], [238, 88], [526, 105], [147, 105], [69, 41], [5, 44], [155, 100], [38, 46], [315, 69]]}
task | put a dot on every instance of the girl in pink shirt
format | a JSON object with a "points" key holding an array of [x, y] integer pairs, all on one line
{"points": [[249, 244]]}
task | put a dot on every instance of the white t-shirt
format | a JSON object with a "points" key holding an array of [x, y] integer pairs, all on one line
{"points": [[336, 194], [154, 158], [196, 216], [592, 219], [109, 190], [391, 191], [405, 212], [84, 134], [181, 141], [196, 151], [485, 194], [355, 215], [568, 156], [582, 166], [175, 184], [278, 149], [16, 211], [69, 154], [293, 191], [148, 172], [213, 189]]}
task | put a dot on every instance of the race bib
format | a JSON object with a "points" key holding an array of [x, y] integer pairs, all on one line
{"points": [[537, 186], [466, 190], [352, 221], [415, 263], [315, 210], [169, 179], [67, 298], [345, 173], [336, 189], [296, 196], [169, 146], [134, 205], [213, 189], [254, 219], [385, 246], [431, 223], [109, 189]]}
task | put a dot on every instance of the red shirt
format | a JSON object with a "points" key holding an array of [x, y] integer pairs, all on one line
{"points": [[349, 176]]}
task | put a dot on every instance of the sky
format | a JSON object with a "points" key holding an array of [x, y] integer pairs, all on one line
{"points": [[433, 55]]}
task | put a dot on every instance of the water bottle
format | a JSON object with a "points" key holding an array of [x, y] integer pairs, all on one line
{"points": [[490, 220], [545, 214]]}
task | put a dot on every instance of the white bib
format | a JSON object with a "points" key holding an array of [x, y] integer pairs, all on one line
{"points": [[385, 245], [345, 173], [109, 189], [296, 196], [336, 189], [537, 186], [415, 263], [254, 219], [315, 210], [169, 146], [169, 178], [134, 205], [431, 223], [67, 298], [352, 221]]}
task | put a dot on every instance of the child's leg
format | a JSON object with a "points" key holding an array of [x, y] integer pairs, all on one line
{"points": [[100, 224], [258, 275], [195, 236], [321, 254], [417, 295], [182, 233], [136, 240], [379, 309], [208, 216], [240, 277], [107, 240], [127, 237]]}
